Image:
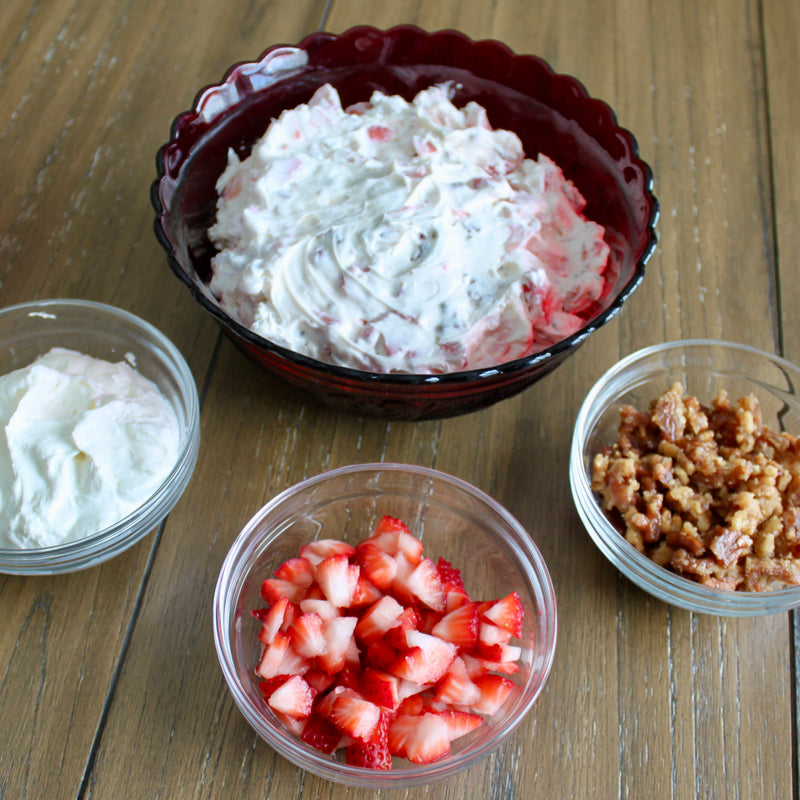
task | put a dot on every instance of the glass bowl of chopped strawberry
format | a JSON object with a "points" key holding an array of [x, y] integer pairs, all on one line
{"points": [[384, 624]]}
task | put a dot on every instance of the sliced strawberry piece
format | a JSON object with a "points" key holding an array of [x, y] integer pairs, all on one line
{"points": [[324, 548], [378, 619], [457, 687], [338, 579], [477, 666], [376, 564], [298, 571], [319, 606], [353, 715], [449, 574], [499, 653], [421, 739], [350, 677], [279, 616], [371, 755], [273, 589], [425, 585], [268, 686], [494, 691], [459, 723], [489, 634], [380, 687], [366, 593], [454, 597], [320, 733], [507, 613], [338, 632], [426, 660], [271, 659], [388, 524], [393, 537], [293, 698], [318, 679], [380, 655], [409, 620], [307, 636], [460, 626]]}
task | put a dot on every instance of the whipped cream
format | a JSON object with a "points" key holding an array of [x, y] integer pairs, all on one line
{"points": [[85, 443], [402, 237]]}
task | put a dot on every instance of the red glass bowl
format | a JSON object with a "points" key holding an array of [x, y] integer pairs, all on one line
{"points": [[552, 114]]}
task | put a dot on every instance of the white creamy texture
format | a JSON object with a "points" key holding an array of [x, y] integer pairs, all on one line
{"points": [[86, 442], [402, 237]]}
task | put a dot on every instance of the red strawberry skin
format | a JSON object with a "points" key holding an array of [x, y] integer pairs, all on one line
{"points": [[371, 755]]}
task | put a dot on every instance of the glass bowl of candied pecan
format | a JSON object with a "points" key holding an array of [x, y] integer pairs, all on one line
{"points": [[685, 470]]}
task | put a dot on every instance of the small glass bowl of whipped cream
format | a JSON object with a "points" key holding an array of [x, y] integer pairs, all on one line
{"points": [[100, 433]]}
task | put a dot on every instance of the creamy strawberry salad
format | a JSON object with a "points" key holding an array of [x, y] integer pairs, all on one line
{"points": [[402, 237], [377, 652]]}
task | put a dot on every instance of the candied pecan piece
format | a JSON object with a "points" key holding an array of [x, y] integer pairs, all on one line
{"points": [[766, 574], [687, 538], [669, 413], [728, 545]]}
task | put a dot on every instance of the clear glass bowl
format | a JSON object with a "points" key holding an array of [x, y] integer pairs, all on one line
{"points": [[32, 329], [455, 521], [704, 367], [552, 114]]}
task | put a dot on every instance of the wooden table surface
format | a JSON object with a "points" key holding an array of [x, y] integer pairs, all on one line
{"points": [[109, 683]]}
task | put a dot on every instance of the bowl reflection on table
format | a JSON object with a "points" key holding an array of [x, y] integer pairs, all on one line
{"points": [[454, 521], [551, 113]]}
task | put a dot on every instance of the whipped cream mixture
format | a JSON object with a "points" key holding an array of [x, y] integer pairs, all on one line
{"points": [[402, 237], [85, 443]]}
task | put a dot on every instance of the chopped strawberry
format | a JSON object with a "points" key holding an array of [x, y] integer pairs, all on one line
{"points": [[376, 564], [409, 619], [489, 634], [292, 698], [459, 723], [449, 574], [338, 632], [421, 739], [274, 589], [324, 548], [507, 613], [353, 715], [380, 654], [320, 733], [460, 626], [380, 687], [298, 571], [271, 659], [338, 579], [318, 606], [307, 636], [424, 584], [279, 616], [494, 691], [366, 593], [371, 755], [499, 653], [268, 686], [318, 679], [379, 618], [426, 660], [457, 687]]}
